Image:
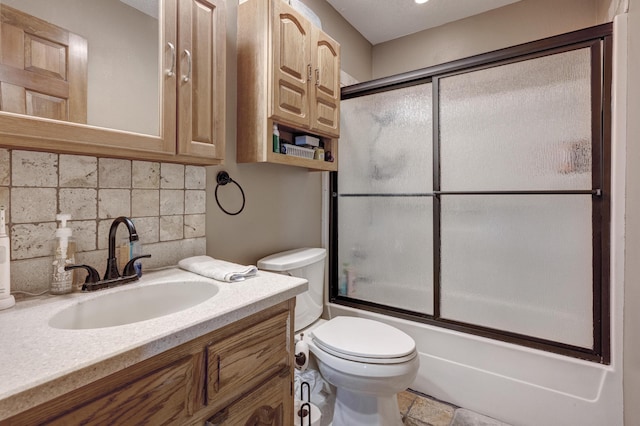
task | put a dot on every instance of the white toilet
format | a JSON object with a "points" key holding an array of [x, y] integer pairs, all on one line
{"points": [[367, 361]]}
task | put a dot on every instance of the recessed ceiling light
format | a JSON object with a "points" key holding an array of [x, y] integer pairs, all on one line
{"points": [[421, 1]]}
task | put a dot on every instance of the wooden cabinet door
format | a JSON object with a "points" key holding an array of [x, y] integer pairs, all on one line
{"points": [[325, 107], [167, 396], [201, 78], [43, 68], [291, 43], [242, 361], [269, 405]]}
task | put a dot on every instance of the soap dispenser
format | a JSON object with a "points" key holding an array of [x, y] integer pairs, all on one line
{"points": [[6, 298], [63, 255]]}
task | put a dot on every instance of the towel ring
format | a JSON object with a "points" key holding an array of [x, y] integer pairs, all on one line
{"points": [[223, 178]]}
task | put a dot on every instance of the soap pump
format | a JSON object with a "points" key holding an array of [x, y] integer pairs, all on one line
{"points": [[63, 255], [6, 298]]}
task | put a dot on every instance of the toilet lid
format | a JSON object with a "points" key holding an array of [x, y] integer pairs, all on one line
{"points": [[363, 339]]}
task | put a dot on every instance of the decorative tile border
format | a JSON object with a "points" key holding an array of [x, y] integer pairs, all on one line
{"points": [[166, 202]]}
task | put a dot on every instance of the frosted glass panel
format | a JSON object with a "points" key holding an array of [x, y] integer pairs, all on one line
{"points": [[385, 248], [386, 142], [525, 126], [519, 264]]}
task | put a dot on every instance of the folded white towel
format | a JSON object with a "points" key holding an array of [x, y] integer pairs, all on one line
{"points": [[217, 269]]}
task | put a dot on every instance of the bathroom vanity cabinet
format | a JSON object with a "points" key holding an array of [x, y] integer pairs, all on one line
{"points": [[189, 66], [289, 75], [239, 374]]}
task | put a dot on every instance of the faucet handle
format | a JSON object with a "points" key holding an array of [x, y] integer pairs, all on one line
{"points": [[92, 275], [129, 268]]}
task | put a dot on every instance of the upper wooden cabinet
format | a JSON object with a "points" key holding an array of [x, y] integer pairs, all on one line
{"points": [[325, 110], [180, 57], [201, 78], [306, 73], [288, 74]]}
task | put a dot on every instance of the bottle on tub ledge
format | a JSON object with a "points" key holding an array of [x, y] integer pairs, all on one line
{"points": [[64, 251]]}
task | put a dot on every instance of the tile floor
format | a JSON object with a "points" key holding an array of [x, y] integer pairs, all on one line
{"points": [[421, 410]]}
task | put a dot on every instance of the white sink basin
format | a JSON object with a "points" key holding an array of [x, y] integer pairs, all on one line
{"points": [[134, 305]]}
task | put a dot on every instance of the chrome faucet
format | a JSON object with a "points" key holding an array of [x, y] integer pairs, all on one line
{"points": [[112, 276]]}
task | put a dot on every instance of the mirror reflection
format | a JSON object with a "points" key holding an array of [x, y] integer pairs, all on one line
{"points": [[85, 61]]}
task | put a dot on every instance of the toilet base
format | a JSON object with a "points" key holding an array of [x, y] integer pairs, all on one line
{"points": [[357, 409]]}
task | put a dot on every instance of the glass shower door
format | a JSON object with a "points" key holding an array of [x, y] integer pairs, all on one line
{"points": [[516, 241], [385, 204], [476, 196]]}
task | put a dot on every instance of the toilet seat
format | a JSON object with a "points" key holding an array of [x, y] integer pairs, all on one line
{"points": [[364, 340]]}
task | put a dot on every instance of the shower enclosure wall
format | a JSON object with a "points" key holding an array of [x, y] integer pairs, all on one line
{"points": [[476, 195]]}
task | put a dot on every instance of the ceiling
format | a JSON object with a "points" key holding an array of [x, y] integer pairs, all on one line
{"points": [[383, 20]]}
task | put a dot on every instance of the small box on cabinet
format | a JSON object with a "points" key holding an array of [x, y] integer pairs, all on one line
{"points": [[307, 140]]}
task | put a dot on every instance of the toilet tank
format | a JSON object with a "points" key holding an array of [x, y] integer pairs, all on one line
{"points": [[307, 263]]}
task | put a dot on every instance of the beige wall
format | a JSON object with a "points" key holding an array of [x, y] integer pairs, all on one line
{"points": [[520, 22], [283, 204], [632, 231]]}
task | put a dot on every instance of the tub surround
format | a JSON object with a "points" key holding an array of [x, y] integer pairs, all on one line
{"points": [[39, 363]]}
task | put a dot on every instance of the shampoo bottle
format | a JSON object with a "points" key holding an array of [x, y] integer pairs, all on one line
{"points": [[63, 255], [276, 138], [6, 298]]}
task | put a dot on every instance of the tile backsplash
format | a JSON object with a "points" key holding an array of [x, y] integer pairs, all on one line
{"points": [[165, 201]]}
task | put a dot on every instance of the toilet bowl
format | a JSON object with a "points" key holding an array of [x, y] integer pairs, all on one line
{"points": [[367, 361]]}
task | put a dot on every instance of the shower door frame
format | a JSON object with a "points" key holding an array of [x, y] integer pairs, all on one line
{"points": [[599, 40]]}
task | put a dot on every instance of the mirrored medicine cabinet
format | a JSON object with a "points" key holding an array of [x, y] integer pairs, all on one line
{"points": [[115, 78]]}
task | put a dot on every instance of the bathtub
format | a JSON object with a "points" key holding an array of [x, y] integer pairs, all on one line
{"points": [[515, 384]]}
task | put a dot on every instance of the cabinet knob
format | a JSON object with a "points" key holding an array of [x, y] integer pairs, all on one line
{"points": [[317, 77], [308, 72]]}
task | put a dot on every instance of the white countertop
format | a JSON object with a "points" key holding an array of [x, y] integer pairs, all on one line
{"points": [[39, 363]]}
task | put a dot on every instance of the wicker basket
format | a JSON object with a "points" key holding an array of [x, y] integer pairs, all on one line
{"points": [[298, 151]]}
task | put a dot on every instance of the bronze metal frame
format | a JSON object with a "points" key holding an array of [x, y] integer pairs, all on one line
{"points": [[599, 40]]}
